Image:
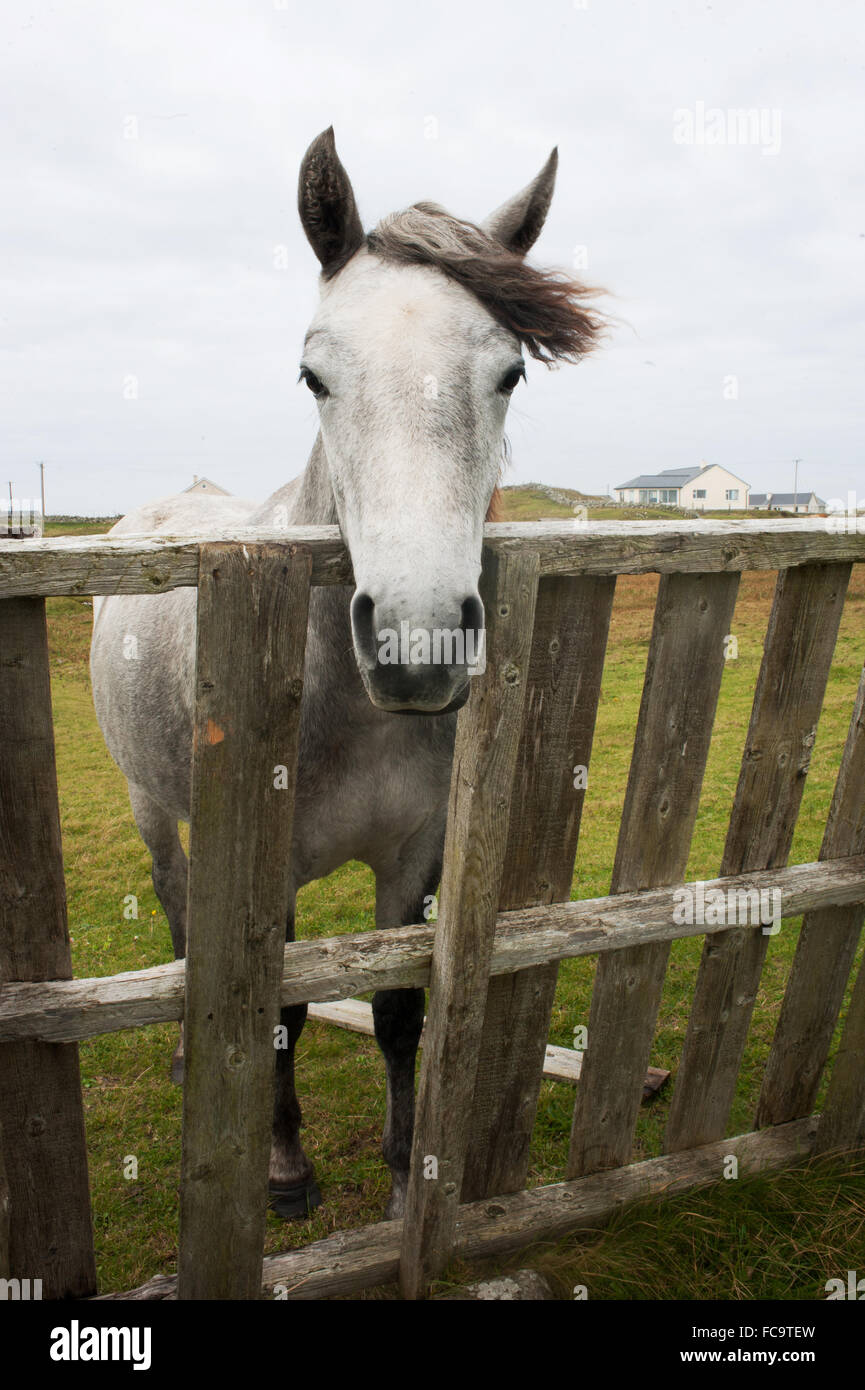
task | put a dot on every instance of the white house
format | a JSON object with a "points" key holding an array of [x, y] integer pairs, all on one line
{"points": [[787, 502], [707, 488], [205, 485]]}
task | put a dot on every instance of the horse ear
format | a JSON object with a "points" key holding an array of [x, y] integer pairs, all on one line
{"points": [[517, 224], [325, 201]]}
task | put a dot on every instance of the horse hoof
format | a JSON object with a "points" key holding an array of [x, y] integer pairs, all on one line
{"points": [[295, 1203]]}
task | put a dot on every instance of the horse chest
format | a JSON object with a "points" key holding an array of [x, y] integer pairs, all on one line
{"points": [[372, 795]]}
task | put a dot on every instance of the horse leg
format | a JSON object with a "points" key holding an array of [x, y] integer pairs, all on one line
{"points": [[398, 1019], [158, 830], [294, 1191]]}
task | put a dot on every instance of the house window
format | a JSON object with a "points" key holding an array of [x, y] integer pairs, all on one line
{"points": [[732, 494], [700, 492]]}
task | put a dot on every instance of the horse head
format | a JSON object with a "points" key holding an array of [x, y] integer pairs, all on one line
{"points": [[413, 354]]}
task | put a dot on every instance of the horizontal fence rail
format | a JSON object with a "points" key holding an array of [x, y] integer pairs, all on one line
{"points": [[341, 967], [153, 564], [350, 1261]]}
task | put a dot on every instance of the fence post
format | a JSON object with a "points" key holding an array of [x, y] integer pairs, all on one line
{"points": [[41, 1107], [252, 616], [800, 640], [693, 615], [824, 954], [485, 755], [572, 620], [842, 1124], [5, 1267]]}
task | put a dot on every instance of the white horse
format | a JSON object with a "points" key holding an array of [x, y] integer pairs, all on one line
{"points": [[412, 357]]}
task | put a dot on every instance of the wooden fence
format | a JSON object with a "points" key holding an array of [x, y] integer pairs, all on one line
{"points": [[505, 919]]}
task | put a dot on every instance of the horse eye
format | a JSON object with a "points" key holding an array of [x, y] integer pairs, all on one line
{"points": [[317, 387], [510, 380]]}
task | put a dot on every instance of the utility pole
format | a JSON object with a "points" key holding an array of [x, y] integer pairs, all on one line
{"points": [[42, 472], [796, 463]]}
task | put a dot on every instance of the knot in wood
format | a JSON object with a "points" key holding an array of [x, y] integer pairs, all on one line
{"points": [[511, 674]]}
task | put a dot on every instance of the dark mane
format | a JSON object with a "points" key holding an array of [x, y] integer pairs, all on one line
{"points": [[546, 309]]}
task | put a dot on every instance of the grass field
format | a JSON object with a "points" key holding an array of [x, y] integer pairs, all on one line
{"points": [[781, 1237]]}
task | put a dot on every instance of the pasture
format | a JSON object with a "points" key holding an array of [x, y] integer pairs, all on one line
{"points": [[778, 1237]]}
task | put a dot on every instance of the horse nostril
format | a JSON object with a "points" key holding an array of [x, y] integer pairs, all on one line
{"points": [[362, 613], [473, 614], [474, 636]]}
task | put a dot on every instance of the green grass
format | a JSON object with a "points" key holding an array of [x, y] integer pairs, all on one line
{"points": [[528, 502], [778, 1237], [79, 526], [765, 1236]]}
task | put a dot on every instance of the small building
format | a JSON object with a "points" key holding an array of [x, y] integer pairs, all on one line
{"points": [[205, 485], [807, 502], [706, 488]]}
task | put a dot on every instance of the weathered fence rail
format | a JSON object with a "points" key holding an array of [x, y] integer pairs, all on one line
{"points": [[152, 564], [505, 919]]}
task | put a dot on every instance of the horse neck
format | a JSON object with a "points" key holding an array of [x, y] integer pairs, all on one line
{"points": [[331, 671], [305, 501]]}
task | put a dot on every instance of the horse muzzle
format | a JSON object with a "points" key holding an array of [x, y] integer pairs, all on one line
{"points": [[410, 668]]}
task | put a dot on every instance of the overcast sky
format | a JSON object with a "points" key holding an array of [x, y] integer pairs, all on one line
{"points": [[151, 241]]}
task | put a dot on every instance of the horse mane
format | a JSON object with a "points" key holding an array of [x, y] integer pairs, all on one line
{"points": [[545, 309], [494, 510]]}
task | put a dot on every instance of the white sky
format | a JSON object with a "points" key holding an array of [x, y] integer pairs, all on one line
{"points": [[154, 257]]}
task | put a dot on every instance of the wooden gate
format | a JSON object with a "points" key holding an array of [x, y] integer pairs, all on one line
{"points": [[505, 915]]}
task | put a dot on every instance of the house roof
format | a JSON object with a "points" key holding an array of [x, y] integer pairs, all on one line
{"points": [[671, 477], [208, 482], [788, 499], [707, 467], [758, 498], [676, 477]]}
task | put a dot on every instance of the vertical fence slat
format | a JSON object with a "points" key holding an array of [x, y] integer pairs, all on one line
{"points": [[824, 955], [572, 620], [693, 615], [842, 1123], [252, 617], [41, 1107], [485, 755], [800, 640], [5, 1266]]}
